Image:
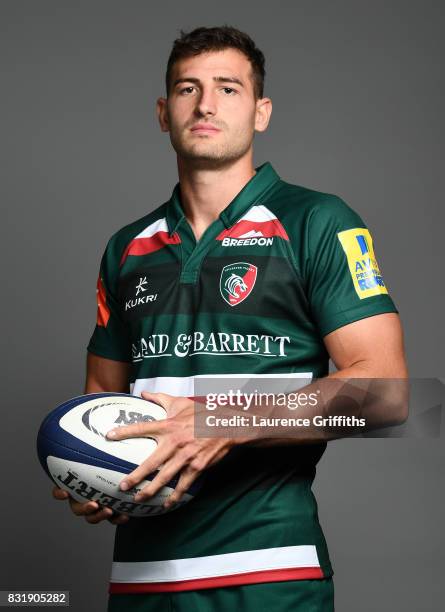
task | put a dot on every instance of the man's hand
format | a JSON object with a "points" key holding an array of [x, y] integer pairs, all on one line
{"points": [[90, 510], [178, 451]]}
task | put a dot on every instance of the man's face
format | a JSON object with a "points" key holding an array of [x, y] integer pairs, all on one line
{"points": [[211, 111]]}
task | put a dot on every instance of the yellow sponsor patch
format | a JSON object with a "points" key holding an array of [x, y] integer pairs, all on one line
{"points": [[366, 276]]}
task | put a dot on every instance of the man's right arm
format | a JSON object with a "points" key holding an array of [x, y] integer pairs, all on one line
{"points": [[103, 375]]}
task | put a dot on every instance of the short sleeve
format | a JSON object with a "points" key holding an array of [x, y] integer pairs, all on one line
{"points": [[343, 279], [111, 338]]}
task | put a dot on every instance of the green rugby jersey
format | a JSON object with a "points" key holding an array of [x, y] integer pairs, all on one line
{"points": [[282, 267]]}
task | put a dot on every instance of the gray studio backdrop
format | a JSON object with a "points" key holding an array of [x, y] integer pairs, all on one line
{"points": [[358, 111]]}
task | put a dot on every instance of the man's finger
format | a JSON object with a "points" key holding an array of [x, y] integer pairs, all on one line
{"points": [[188, 476], [168, 471], [162, 399], [137, 430], [81, 509], [60, 493], [101, 515], [171, 404], [150, 465], [119, 519]]}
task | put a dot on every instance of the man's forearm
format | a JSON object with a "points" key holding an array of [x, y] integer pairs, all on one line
{"points": [[347, 402]]}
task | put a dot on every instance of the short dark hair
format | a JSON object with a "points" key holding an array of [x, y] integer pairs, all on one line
{"points": [[203, 40]]}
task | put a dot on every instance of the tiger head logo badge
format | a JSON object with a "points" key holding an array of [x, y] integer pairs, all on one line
{"points": [[237, 281]]}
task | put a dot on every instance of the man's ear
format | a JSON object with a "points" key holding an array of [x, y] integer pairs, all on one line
{"points": [[161, 109], [262, 114]]}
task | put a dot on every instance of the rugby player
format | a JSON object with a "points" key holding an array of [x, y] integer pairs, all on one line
{"points": [[239, 272]]}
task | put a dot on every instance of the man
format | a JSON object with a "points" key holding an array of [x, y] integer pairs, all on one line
{"points": [[238, 273]]}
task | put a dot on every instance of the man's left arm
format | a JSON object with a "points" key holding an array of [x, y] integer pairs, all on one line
{"points": [[371, 348], [368, 348], [371, 381]]}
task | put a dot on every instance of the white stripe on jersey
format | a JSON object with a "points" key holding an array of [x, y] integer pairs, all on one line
{"points": [[259, 214], [229, 564], [158, 226], [183, 386]]}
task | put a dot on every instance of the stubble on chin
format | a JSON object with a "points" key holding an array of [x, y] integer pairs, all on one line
{"points": [[209, 154]]}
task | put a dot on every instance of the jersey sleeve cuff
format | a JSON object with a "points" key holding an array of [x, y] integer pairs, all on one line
{"points": [[356, 313], [107, 354]]}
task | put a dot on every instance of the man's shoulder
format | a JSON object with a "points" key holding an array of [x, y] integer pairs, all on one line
{"points": [[296, 202], [154, 220], [297, 206]]}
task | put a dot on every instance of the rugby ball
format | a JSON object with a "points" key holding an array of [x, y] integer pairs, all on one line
{"points": [[75, 453]]}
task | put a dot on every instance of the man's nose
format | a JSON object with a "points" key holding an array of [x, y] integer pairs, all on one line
{"points": [[206, 103]]}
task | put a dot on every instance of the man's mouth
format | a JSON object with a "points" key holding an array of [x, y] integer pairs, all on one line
{"points": [[204, 128]]}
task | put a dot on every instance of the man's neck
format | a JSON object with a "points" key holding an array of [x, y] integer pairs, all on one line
{"points": [[205, 193]]}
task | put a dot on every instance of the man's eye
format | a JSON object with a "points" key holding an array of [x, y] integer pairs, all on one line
{"points": [[229, 90], [187, 90]]}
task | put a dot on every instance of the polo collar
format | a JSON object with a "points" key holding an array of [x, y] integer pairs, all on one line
{"points": [[249, 195]]}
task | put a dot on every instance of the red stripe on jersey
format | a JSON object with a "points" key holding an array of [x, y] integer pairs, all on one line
{"points": [[276, 575], [103, 312], [267, 228], [144, 246]]}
